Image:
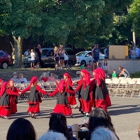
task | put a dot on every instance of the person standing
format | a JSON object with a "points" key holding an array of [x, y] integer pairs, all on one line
{"points": [[95, 53], [34, 99], [56, 57], [38, 55], [32, 54], [61, 54]]}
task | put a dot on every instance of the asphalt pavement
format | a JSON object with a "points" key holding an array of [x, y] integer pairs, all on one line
{"points": [[125, 114]]}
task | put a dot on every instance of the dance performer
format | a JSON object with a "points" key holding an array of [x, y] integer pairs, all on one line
{"points": [[5, 94], [68, 85], [101, 97], [84, 94], [34, 99], [62, 105], [13, 98]]}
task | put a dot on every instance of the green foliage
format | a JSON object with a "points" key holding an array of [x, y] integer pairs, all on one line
{"points": [[135, 75], [134, 15]]}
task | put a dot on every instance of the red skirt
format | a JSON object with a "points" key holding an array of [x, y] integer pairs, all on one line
{"points": [[85, 106], [64, 109], [34, 108], [4, 111], [13, 105], [101, 104], [71, 100], [108, 101]]}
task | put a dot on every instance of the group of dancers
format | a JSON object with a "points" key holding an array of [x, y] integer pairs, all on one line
{"points": [[91, 93]]}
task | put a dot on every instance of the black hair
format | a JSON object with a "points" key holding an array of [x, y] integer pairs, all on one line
{"points": [[58, 124], [21, 129], [50, 73], [106, 63], [99, 117]]}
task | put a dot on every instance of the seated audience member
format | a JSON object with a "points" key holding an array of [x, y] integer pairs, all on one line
{"points": [[105, 66], [57, 124], [22, 79], [82, 67], [51, 77], [15, 78], [102, 133], [124, 72], [99, 118], [114, 74], [90, 66], [21, 129], [99, 65], [44, 77]]}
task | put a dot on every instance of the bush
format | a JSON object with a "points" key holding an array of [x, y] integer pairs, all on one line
{"points": [[135, 75]]}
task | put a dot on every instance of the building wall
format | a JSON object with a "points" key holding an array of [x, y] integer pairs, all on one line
{"points": [[131, 65]]}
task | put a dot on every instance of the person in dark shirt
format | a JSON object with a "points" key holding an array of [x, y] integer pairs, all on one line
{"points": [[95, 53]]}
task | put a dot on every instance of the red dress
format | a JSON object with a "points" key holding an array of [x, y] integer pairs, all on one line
{"points": [[62, 105], [71, 97], [34, 98], [44, 79], [83, 96], [5, 105], [100, 96], [13, 100]]}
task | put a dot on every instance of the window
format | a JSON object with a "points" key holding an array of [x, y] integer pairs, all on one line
{"points": [[44, 52], [1, 53], [70, 52], [88, 54]]}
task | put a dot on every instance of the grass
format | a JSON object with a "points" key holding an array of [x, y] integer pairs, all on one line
{"points": [[135, 75]]}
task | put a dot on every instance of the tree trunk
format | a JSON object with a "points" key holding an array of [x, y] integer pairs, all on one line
{"points": [[18, 51]]}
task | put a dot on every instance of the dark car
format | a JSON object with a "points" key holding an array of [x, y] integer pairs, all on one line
{"points": [[5, 59], [47, 57]]}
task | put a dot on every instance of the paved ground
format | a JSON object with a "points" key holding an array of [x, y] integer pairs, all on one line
{"points": [[125, 114]]}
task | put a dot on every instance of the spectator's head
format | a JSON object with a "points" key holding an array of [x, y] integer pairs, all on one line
{"points": [[15, 75], [44, 74], [32, 50], [114, 71], [58, 124], [99, 65], [90, 62], [51, 135], [21, 75], [102, 133], [21, 129], [105, 63], [61, 46], [51, 74], [99, 118], [39, 46], [56, 48], [120, 68]]}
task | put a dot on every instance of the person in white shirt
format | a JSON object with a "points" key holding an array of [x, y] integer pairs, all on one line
{"points": [[32, 58]]}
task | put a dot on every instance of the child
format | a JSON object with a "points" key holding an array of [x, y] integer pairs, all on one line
{"points": [[62, 105], [114, 74], [22, 78], [32, 58], [34, 99], [82, 67]]}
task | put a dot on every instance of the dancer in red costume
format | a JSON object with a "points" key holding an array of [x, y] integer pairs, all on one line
{"points": [[68, 85], [13, 98], [84, 93], [62, 105], [34, 99], [5, 94], [1, 81], [101, 97]]}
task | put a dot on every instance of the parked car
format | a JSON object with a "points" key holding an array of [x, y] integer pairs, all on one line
{"points": [[47, 57], [5, 59], [85, 56]]}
